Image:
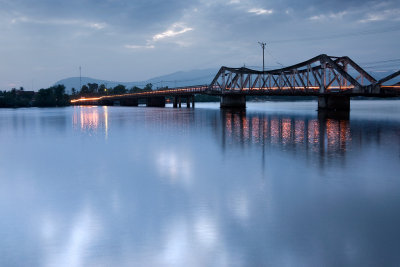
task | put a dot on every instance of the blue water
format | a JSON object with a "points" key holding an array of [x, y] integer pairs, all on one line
{"points": [[275, 185]]}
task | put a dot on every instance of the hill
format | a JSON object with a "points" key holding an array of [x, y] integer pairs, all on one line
{"points": [[176, 79]]}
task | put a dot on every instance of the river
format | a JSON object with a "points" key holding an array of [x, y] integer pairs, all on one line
{"points": [[274, 185]]}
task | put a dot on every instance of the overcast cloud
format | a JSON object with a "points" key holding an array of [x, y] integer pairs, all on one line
{"points": [[44, 41]]}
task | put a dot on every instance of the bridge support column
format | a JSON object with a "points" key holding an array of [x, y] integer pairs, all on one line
{"points": [[334, 103], [233, 101], [175, 105], [179, 102], [188, 102], [106, 102], [192, 101], [130, 102], [157, 101]]}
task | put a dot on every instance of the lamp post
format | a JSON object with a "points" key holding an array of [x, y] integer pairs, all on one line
{"points": [[263, 48]]}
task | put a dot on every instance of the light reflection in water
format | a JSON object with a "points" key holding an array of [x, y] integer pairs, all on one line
{"points": [[256, 129], [274, 131], [318, 134], [72, 251], [176, 168], [313, 131], [89, 119], [286, 131], [299, 131]]}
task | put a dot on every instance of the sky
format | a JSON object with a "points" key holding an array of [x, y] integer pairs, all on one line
{"points": [[44, 41]]}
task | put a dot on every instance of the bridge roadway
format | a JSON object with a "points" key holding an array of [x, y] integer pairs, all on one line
{"points": [[332, 79]]}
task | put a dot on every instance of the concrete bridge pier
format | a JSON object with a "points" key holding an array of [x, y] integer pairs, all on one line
{"points": [[156, 101], [106, 102], [177, 101], [233, 101], [334, 103], [129, 102]]}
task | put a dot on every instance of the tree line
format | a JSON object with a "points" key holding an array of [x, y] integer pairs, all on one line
{"points": [[55, 96], [94, 89]]}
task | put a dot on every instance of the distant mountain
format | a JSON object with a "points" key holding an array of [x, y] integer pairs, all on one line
{"points": [[176, 79]]}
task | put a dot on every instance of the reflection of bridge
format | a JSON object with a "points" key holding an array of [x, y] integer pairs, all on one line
{"points": [[333, 79], [321, 135], [324, 137], [314, 137]]}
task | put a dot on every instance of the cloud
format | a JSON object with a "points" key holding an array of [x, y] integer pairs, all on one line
{"points": [[139, 46], [59, 22], [261, 11], [338, 15], [176, 29], [388, 14], [97, 26]]}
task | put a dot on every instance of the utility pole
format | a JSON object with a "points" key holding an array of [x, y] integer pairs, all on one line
{"points": [[263, 48]]}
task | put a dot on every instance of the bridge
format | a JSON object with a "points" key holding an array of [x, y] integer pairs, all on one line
{"points": [[332, 79]]}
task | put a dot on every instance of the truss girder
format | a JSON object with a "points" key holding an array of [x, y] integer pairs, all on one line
{"points": [[320, 74]]}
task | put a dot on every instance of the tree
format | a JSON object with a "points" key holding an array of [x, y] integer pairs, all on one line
{"points": [[53, 96], [102, 89], [135, 89], [93, 88], [148, 87], [73, 91], [45, 98], [84, 90], [119, 89], [61, 99]]}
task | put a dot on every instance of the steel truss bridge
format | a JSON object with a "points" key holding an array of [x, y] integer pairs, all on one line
{"points": [[332, 79]]}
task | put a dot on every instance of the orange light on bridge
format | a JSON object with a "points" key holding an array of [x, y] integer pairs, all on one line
{"points": [[287, 88], [85, 99], [197, 89]]}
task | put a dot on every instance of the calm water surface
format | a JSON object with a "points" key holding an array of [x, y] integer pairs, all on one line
{"points": [[276, 185]]}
